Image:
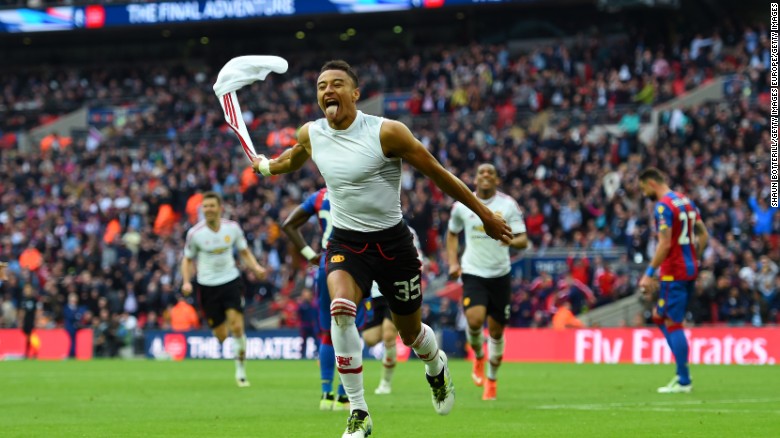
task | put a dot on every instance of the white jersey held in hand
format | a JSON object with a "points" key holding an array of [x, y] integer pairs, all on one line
{"points": [[484, 256], [214, 251]]}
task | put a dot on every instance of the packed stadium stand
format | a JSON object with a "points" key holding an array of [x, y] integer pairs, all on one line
{"points": [[101, 211]]}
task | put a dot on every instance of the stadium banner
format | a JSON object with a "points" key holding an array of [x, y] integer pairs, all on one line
{"points": [[98, 16], [45, 344], [716, 346], [530, 266], [201, 344], [267, 345], [396, 104]]}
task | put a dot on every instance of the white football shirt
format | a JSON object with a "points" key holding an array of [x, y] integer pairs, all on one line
{"points": [[213, 251], [364, 186], [483, 256]]}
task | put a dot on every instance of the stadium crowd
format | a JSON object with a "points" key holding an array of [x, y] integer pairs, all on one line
{"points": [[102, 217]]}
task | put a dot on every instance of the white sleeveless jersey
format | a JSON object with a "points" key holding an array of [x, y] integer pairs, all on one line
{"points": [[375, 287], [364, 186], [214, 251], [485, 257]]}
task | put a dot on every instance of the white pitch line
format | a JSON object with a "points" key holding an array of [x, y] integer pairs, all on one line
{"points": [[712, 410], [646, 405]]}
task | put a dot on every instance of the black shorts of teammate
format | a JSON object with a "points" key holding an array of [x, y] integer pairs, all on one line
{"points": [[387, 257], [215, 300], [493, 293], [380, 312]]}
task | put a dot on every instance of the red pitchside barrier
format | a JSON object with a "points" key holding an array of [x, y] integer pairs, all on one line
{"points": [[47, 344], [723, 345]]}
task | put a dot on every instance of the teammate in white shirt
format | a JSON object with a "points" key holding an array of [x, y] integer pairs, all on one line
{"points": [[360, 158], [486, 274], [210, 245]]}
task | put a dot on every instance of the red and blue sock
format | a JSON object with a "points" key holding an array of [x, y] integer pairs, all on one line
{"points": [[327, 363], [679, 345]]}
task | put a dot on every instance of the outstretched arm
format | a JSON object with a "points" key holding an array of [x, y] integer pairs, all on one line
{"points": [[753, 204], [397, 141], [290, 160]]}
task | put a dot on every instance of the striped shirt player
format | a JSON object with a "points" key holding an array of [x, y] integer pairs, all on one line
{"points": [[210, 244], [318, 204], [681, 236], [360, 158], [676, 212], [485, 270]]}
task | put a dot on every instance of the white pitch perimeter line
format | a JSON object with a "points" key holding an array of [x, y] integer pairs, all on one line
{"points": [[648, 405], [712, 410]]}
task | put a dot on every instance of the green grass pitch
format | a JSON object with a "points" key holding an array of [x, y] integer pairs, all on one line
{"points": [[140, 398]]}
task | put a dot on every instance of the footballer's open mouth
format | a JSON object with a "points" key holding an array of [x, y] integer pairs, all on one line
{"points": [[331, 107]]}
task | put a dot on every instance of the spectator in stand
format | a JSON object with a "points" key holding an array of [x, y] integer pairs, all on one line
{"points": [[763, 215], [602, 242], [447, 314], [766, 280], [564, 318], [73, 314], [542, 286], [184, 317], [535, 223], [605, 281], [522, 310], [575, 292], [175, 143], [579, 268], [288, 309], [735, 309]]}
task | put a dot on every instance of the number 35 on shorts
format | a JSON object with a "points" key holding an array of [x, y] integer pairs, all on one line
{"points": [[408, 290]]}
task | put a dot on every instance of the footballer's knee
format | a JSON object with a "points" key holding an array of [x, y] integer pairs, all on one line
{"points": [[220, 332], [389, 337], [408, 338], [496, 332], [475, 323], [343, 311]]}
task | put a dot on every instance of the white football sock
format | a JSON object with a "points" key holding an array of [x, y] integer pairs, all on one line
{"points": [[388, 363], [476, 339], [427, 349], [495, 355], [349, 351]]}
